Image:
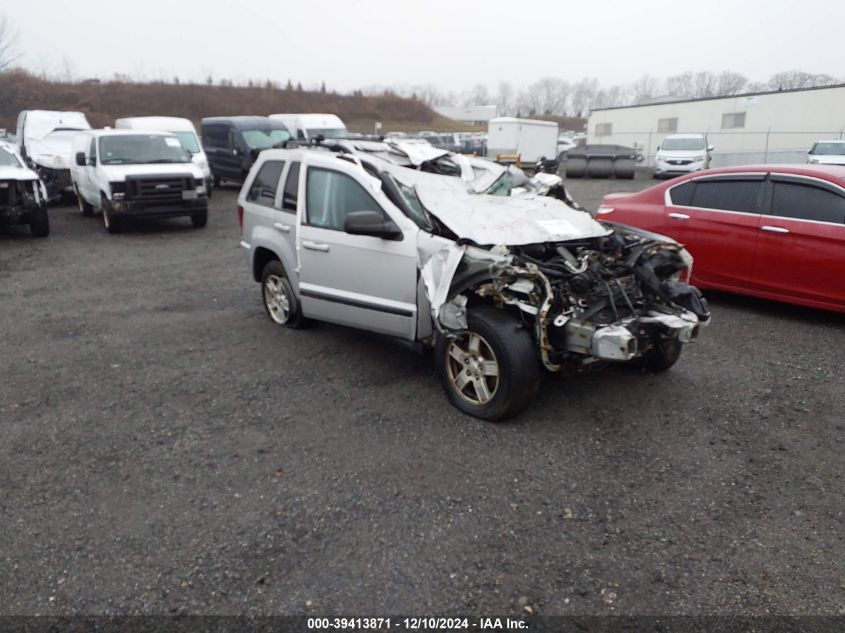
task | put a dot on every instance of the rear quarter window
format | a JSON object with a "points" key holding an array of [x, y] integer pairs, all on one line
{"points": [[263, 188], [807, 202]]}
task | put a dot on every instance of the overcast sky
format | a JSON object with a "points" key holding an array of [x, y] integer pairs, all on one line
{"points": [[451, 43]]}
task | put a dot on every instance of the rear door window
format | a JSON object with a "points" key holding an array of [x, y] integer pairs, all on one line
{"points": [[291, 192], [727, 195], [806, 201], [263, 188]]}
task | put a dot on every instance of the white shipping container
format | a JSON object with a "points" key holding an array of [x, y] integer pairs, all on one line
{"points": [[529, 139]]}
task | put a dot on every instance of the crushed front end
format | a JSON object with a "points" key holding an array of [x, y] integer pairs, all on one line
{"points": [[618, 297]]}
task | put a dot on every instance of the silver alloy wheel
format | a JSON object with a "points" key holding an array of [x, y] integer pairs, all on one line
{"points": [[276, 299], [473, 368], [79, 201], [106, 218]]}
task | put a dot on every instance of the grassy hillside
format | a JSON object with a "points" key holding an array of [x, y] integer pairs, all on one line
{"points": [[104, 102]]}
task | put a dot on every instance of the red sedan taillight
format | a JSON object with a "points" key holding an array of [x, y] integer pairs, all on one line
{"points": [[241, 217]]}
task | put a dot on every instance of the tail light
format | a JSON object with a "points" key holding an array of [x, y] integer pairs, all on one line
{"points": [[241, 217]]}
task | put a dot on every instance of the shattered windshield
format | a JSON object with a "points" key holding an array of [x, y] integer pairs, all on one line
{"points": [[412, 201], [263, 139], [829, 149], [138, 149], [683, 144], [7, 159], [502, 186]]}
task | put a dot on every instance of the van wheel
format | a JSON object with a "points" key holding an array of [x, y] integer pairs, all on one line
{"points": [[216, 181], [200, 219], [85, 208], [490, 370], [280, 302], [112, 224]]}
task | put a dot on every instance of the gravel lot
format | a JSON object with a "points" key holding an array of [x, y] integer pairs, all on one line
{"points": [[165, 449]]}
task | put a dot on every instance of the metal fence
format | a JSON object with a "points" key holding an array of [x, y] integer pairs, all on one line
{"points": [[733, 147]]}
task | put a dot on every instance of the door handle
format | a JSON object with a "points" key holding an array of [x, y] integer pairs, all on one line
{"points": [[284, 228], [679, 216], [774, 229], [315, 246]]}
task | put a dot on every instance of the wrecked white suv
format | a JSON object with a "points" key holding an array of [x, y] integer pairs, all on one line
{"points": [[500, 287]]}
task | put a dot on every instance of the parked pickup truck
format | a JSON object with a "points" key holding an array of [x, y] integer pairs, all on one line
{"points": [[498, 286], [23, 197], [132, 174]]}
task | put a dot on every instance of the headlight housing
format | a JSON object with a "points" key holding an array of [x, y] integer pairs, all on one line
{"points": [[118, 190]]}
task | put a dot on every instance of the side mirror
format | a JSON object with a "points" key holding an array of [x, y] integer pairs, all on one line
{"points": [[371, 223], [80, 159], [710, 148]]}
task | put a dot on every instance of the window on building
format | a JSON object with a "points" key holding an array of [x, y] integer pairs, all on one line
{"points": [[604, 129], [807, 202], [667, 125], [732, 120]]}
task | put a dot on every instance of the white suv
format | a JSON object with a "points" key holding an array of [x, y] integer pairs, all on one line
{"points": [[682, 154], [500, 287]]}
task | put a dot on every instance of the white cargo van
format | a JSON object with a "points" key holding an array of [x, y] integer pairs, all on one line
{"points": [[44, 140], [306, 127], [135, 174], [183, 129]]}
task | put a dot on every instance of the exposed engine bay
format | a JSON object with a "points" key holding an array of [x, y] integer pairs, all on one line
{"points": [[615, 297]]}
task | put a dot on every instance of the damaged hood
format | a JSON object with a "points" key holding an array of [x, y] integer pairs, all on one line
{"points": [[512, 221], [17, 173], [54, 150]]}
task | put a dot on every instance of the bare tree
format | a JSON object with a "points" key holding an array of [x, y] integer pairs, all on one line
{"points": [[8, 44], [730, 83], [792, 79], [645, 89], [505, 99], [546, 96], [682, 85], [477, 95], [583, 96]]}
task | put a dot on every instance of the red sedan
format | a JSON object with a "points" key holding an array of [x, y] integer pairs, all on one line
{"points": [[771, 231]]}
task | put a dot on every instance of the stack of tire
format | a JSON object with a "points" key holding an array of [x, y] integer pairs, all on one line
{"points": [[601, 161]]}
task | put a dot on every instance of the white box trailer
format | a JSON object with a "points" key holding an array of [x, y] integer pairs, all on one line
{"points": [[527, 138]]}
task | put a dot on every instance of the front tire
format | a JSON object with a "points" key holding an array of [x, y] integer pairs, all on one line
{"points": [[490, 370], [665, 354], [199, 219], [280, 302], [112, 224], [40, 227], [85, 208]]}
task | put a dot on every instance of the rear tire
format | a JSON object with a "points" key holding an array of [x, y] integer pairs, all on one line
{"points": [[199, 219], [216, 181], [280, 302], [489, 371]]}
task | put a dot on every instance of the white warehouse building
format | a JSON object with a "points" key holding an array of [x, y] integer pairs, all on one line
{"points": [[763, 127]]}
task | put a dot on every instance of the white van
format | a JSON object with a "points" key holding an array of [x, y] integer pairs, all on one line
{"points": [[181, 128], [306, 127], [44, 140], [682, 154], [130, 174]]}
